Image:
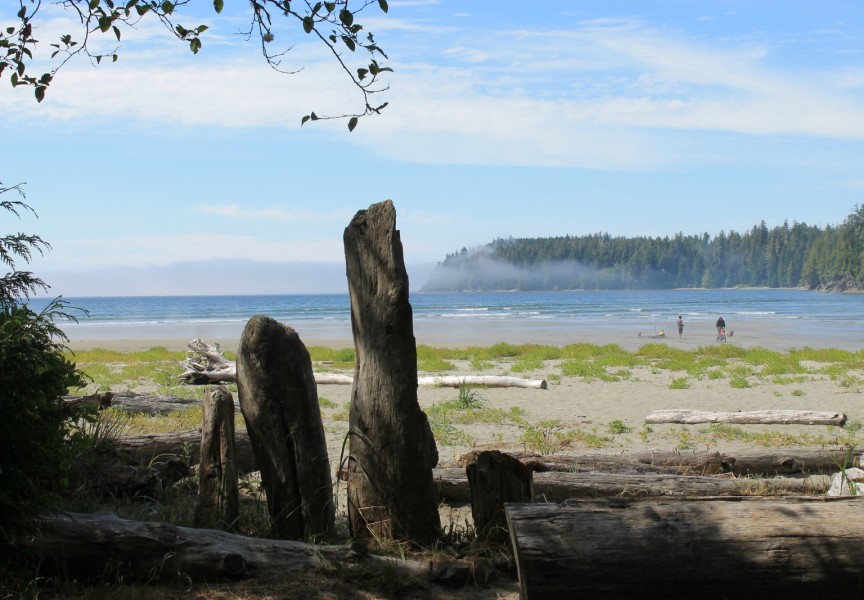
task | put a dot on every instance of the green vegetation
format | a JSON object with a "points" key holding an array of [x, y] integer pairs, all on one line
{"points": [[796, 255]]}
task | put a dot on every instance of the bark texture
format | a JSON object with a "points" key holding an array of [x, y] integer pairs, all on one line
{"points": [[279, 401], [218, 504], [689, 548], [496, 478], [392, 450]]}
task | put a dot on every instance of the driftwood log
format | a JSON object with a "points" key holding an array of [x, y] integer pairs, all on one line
{"points": [[689, 548], [218, 503], [453, 486], [206, 364], [96, 545], [279, 401], [392, 450], [753, 417]]}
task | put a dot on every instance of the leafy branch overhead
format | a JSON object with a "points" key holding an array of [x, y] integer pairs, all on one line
{"points": [[334, 24]]}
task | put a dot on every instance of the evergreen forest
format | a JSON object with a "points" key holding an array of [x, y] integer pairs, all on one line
{"points": [[786, 256]]}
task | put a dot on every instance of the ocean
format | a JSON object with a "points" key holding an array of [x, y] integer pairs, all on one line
{"points": [[811, 318]]}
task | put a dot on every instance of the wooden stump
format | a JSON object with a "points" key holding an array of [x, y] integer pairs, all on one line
{"points": [[495, 478], [279, 401], [689, 548], [390, 489], [218, 505]]}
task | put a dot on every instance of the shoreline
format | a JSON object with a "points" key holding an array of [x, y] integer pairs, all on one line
{"points": [[772, 335]]}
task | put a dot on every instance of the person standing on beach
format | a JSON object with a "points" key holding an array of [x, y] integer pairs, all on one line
{"points": [[680, 326], [721, 324]]}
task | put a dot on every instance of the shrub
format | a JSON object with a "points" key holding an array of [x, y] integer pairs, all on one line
{"points": [[33, 450]]}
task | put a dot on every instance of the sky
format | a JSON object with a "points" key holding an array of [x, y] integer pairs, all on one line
{"points": [[171, 173]]}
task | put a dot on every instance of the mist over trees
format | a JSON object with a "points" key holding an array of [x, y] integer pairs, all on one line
{"points": [[796, 255]]}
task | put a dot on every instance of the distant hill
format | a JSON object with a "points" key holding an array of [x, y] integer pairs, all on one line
{"points": [[797, 255]]}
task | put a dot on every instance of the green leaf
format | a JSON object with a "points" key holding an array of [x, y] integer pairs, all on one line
{"points": [[40, 93], [308, 24], [195, 45], [23, 12], [10, 30], [168, 7], [14, 79], [346, 16], [352, 123], [313, 116], [201, 28], [218, 5], [361, 73], [382, 4], [104, 24], [348, 42], [114, 58], [142, 9], [93, 4], [116, 32], [303, 120]]}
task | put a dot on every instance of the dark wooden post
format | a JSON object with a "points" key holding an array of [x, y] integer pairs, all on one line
{"points": [[218, 497], [279, 401], [496, 478], [391, 494]]}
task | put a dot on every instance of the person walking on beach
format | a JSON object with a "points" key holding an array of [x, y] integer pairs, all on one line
{"points": [[680, 326], [721, 330]]}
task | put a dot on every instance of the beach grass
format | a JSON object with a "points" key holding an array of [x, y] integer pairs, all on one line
{"points": [[156, 370]]}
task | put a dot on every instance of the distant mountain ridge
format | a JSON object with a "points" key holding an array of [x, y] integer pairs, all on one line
{"points": [[786, 256]]}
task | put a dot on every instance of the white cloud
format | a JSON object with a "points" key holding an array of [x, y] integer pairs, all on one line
{"points": [[601, 95], [241, 213]]}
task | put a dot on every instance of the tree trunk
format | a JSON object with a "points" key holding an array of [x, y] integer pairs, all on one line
{"points": [[689, 548], [279, 401], [392, 450], [453, 486], [753, 417], [96, 545], [185, 444], [496, 478], [218, 504]]}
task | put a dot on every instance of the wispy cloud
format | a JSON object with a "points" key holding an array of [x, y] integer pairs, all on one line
{"points": [[241, 213]]}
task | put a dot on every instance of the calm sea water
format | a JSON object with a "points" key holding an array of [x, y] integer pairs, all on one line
{"points": [[828, 316]]}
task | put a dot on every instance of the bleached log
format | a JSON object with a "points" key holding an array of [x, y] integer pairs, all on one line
{"points": [[689, 548], [206, 364], [755, 417], [83, 545], [456, 381]]}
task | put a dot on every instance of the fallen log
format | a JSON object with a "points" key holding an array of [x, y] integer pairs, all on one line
{"points": [[689, 548], [205, 364], [767, 463], [93, 545], [754, 417], [456, 381], [186, 444], [453, 486]]}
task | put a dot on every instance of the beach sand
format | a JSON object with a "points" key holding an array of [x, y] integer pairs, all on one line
{"points": [[575, 415], [587, 406]]}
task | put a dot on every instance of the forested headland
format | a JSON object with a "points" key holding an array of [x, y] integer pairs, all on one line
{"points": [[785, 256]]}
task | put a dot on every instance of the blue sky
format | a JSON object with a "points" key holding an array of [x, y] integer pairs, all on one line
{"points": [[173, 173]]}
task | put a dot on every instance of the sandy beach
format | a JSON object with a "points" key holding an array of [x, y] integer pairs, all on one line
{"points": [[573, 409]]}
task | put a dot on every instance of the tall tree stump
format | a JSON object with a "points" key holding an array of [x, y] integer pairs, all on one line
{"points": [[495, 478], [391, 494], [218, 505], [279, 401]]}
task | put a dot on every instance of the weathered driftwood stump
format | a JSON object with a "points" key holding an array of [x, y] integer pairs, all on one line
{"points": [[392, 450], [279, 401], [495, 478], [218, 505], [689, 548]]}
